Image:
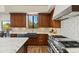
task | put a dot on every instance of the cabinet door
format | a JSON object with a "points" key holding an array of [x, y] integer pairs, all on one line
{"points": [[42, 39], [37, 49], [56, 23], [43, 49], [18, 19], [44, 20], [32, 41]]}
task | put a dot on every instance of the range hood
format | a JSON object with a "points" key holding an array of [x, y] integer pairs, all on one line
{"points": [[70, 12]]}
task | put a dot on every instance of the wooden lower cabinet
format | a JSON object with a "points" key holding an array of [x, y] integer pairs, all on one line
{"points": [[37, 49], [41, 39], [38, 44]]}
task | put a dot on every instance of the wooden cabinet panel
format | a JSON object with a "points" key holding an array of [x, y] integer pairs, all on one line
{"points": [[41, 39], [38, 44], [31, 42], [56, 23], [18, 19], [44, 20], [37, 49]]}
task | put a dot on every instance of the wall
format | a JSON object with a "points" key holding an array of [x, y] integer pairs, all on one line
{"points": [[26, 8], [0, 26], [70, 28], [2, 8]]}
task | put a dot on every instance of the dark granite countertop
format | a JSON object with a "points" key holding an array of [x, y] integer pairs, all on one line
{"points": [[58, 36]]}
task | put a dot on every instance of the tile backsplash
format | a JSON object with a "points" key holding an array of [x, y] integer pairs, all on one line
{"points": [[26, 30]]}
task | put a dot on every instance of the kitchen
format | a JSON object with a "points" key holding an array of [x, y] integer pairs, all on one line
{"points": [[36, 27]]}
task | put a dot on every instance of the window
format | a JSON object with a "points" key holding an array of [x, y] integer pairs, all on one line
{"points": [[33, 21], [6, 25]]}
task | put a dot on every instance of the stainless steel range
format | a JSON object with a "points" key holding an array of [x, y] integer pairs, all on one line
{"points": [[55, 46]]}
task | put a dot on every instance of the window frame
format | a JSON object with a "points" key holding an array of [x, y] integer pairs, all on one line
{"points": [[32, 20]]}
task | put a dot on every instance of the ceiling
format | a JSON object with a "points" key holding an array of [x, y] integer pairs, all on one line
{"points": [[27, 8]]}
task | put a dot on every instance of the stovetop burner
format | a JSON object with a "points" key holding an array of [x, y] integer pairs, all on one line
{"points": [[70, 44]]}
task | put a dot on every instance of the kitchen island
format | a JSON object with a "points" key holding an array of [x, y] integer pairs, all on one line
{"points": [[11, 45]]}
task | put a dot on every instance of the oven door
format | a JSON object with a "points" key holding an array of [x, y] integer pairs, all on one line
{"points": [[52, 48]]}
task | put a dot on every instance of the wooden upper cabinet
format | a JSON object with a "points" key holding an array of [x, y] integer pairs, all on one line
{"points": [[56, 23], [44, 20], [18, 19]]}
